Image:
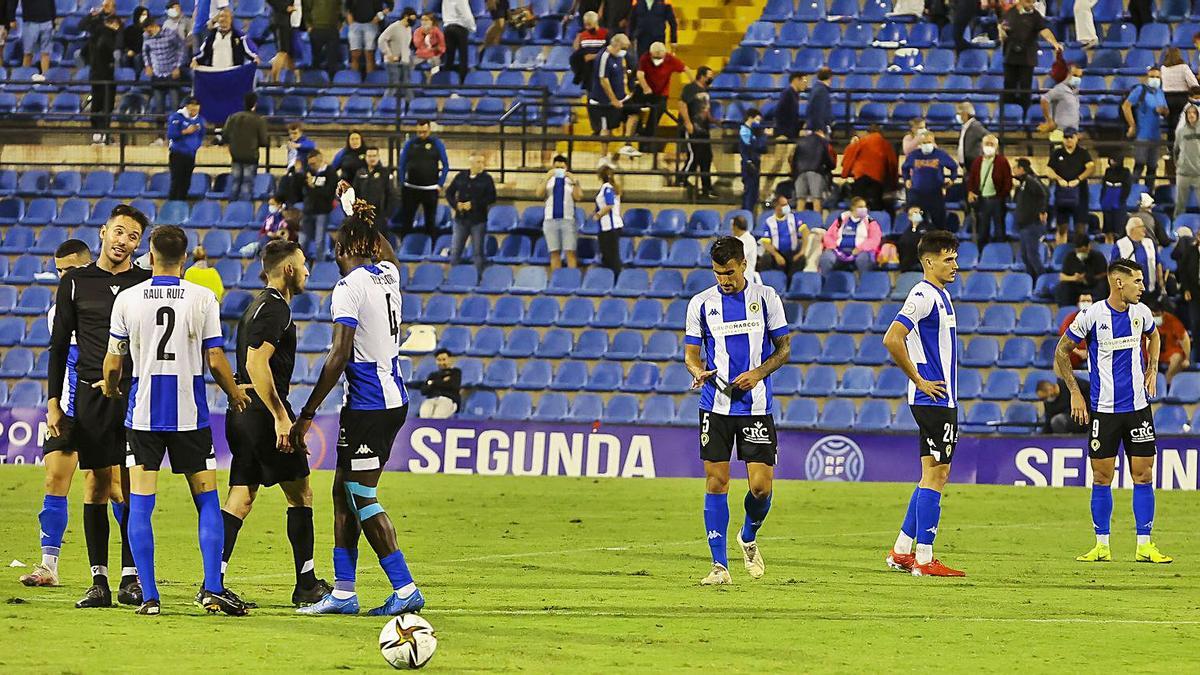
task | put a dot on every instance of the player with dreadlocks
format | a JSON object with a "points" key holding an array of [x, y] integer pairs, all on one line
{"points": [[366, 347]]}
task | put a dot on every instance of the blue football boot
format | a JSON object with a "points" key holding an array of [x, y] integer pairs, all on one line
{"points": [[395, 605], [331, 605]]}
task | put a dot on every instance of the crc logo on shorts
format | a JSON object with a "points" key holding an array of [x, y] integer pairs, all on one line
{"points": [[1142, 434], [759, 433], [834, 458]]}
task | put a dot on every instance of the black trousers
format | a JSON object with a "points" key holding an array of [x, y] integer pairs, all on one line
{"points": [[103, 96], [989, 220], [182, 165], [869, 189], [934, 206], [658, 107], [610, 250], [326, 49], [1017, 82], [410, 200], [457, 42], [964, 14], [699, 160]]}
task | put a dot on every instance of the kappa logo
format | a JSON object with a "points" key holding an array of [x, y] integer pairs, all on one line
{"points": [[759, 433], [932, 530], [1142, 434], [713, 534], [1103, 326], [713, 312], [363, 450], [115, 289]]}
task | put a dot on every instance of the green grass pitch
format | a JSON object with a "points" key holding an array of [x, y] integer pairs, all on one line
{"points": [[586, 575]]}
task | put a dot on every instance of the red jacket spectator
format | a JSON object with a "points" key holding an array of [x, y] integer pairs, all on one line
{"points": [[1001, 176], [659, 77], [872, 156]]}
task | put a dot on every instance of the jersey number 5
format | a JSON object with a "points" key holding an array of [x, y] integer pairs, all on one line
{"points": [[165, 317]]}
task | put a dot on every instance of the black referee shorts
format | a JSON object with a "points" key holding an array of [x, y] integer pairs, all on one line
{"points": [[97, 432], [256, 460]]}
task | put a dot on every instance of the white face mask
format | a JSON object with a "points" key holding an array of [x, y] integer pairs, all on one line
{"points": [[1084, 304], [1081, 256], [785, 209], [860, 212], [1073, 81], [927, 148], [657, 62], [173, 12], [560, 173], [989, 150], [273, 208], [1158, 321], [621, 54], [958, 118], [1153, 82], [915, 218]]}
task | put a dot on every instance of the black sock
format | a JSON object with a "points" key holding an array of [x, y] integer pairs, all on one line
{"points": [[127, 563], [233, 525], [95, 531], [300, 533]]}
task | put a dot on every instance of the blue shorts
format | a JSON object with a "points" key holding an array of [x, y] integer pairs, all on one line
{"points": [[362, 36], [35, 36]]}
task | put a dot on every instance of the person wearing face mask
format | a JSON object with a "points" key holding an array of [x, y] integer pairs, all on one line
{"points": [[927, 173], [177, 21], [1060, 105], [276, 225], [852, 241], [1173, 356], [970, 134], [586, 48], [1069, 169], [1030, 215], [912, 139], [989, 182], [395, 45], [470, 195], [1187, 158], [131, 41], [910, 238], [752, 144], [1177, 82], [1154, 227], [561, 190], [1115, 187], [1019, 31], [787, 243], [608, 96], [1084, 272], [654, 72], [1137, 246], [1144, 110], [695, 115]]}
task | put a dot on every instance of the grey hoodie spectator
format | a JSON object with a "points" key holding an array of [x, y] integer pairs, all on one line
{"points": [[1187, 157], [395, 44]]}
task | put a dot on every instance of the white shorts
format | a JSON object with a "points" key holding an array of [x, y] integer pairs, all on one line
{"points": [[560, 234]]}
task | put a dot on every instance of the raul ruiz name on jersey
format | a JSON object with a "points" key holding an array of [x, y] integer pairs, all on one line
{"points": [[163, 292]]}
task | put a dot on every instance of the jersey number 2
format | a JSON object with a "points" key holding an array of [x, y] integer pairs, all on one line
{"points": [[165, 317]]}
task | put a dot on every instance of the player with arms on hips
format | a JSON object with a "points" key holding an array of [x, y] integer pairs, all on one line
{"points": [[736, 336], [258, 436], [923, 341], [93, 426], [366, 348], [170, 327], [1122, 380], [60, 460]]}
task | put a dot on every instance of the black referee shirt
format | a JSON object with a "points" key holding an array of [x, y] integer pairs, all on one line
{"points": [[83, 307], [268, 319]]}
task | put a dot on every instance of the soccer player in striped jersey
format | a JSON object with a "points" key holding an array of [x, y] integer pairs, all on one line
{"points": [[170, 327], [59, 457], [736, 336], [366, 348], [1122, 380], [923, 341]]}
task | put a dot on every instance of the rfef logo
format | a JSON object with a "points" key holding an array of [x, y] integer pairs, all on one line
{"points": [[834, 458]]}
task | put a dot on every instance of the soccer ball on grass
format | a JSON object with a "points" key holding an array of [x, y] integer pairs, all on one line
{"points": [[407, 642]]}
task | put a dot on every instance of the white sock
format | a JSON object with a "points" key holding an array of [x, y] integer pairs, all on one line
{"points": [[406, 590], [50, 562], [904, 543], [343, 595], [1143, 539], [1102, 539], [924, 554]]}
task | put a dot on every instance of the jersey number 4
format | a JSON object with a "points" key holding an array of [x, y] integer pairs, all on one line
{"points": [[393, 323], [165, 317]]}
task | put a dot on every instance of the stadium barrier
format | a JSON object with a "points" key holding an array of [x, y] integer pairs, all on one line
{"points": [[611, 451]]}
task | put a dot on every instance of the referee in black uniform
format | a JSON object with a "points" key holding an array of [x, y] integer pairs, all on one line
{"points": [[83, 308], [258, 435]]}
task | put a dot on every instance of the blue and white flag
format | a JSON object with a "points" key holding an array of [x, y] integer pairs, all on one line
{"points": [[221, 91]]}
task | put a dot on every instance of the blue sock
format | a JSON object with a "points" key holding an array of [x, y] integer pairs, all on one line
{"points": [[396, 569], [756, 513], [1143, 507], [1102, 507], [345, 568], [909, 526], [53, 519], [212, 538], [141, 540], [716, 525], [929, 512]]}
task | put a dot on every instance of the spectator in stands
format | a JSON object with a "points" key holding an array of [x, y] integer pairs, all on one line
{"points": [[286, 17], [1114, 192], [561, 190], [1069, 169], [1084, 272], [927, 173], [460, 25], [351, 158], [852, 241], [1019, 31], [131, 41], [1144, 109], [1187, 158], [185, 133], [970, 135], [245, 132], [225, 47], [695, 114], [1176, 343], [787, 111], [320, 185], [1177, 82], [1145, 213], [102, 41], [910, 141], [1030, 215], [752, 143], [787, 243], [910, 238], [470, 195], [37, 29], [870, 165], [442, 389], [965, 12], [298, 146], [607, 97], [989, 182], [1085, 25], [820, 102], [649, 21], [1056, 401], [396, 47], [741, 231], [1079, 355], [374, 183], [1139, 247], [813, 162], [324, 20], [654, 71], [913, 8], [364, 17], [1187, 257], [615, 15], [422, 170], [203, 274], [282, 222], [1060, 105], [177, 21], [608, 215], [163, 52], [588, 44], [429, 43]]}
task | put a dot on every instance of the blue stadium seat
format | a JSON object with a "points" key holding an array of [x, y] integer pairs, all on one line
{"points": [[1018, 352], [1153, 36], [40, 211], [777, 11], [996, 257], [891, 383], [35, 301], [472, 311], [18, 239], [551, 407], [529, 280], [26, 394], [871, 351], [979, 288], [837, 285], [675, 379], [857, 317], [651, 252], [324, 276], [775, 279], [661, 346], [873, 285], [461, 279], [556, 344], [566, 281], [1035, 377], [12, 331], [8, 299], [234, 304], [837, 349], [642, 378], [787, 381], [856, 381], [800, 413], [1168, 419], [597, 281], [978, 416], [586, 408], [591, 344], [804, 286], [837, 414], [1184, 388], [24, 270], [998, 320], [626, 346], [72, 212], [874, 416], [676, 315], [604, 377], [316, 338], [41, 366], [657, 410], [12, 209], [1021, 418], [612, 313], [1015, 288], [904, 284], [970, 384], [514, 250], [820, 317], [981, 352], [304, 306], [884, 317], [702, 224], [621, 409], [438, 309], [500, 373], [508, 310], [684, 253], [542, 311], [49, 239], [480, 405], [967, 318], [664, 284], [18, 362], [819, 381], [534, 376], [520, 343], [456, 340], [425, 279], [496, 279], [1002, 385], [646, 313]]}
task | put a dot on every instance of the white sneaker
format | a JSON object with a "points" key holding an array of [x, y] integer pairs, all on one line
{"points": [[38, 77], [719, 576], [629, 151], [434, 70], [752, 557], [97, 139]]}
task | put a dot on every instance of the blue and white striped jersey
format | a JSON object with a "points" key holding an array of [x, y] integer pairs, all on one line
{"points": [[607, 196], [785, 232], [932, 342], [71, 378], [170, 323], [1116, 369], [735, 333], [368, 300], [560, 200]]}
